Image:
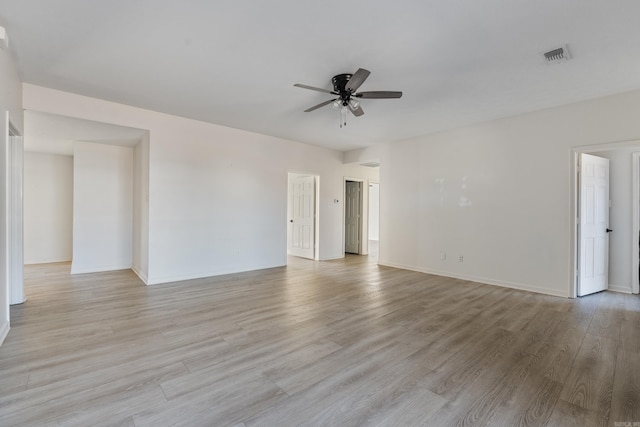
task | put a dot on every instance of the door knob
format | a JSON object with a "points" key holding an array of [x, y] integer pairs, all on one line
{"points": [[609, 230]]}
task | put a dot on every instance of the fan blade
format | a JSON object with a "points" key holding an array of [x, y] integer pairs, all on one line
{"points": [[315, 88], [315, 107], [378, 94], [357, 79], [358, 111]]}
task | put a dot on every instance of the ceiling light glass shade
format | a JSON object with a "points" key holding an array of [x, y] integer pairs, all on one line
{"points": [[337, 104], [353, 103]]}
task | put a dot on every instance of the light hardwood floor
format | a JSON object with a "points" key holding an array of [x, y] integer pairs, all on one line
{"points": [[337, 343]]}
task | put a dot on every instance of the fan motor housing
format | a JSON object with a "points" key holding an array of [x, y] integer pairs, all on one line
{"points": [[340, 81]]}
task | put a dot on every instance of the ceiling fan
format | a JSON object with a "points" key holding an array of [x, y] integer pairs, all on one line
{"points": [[345, 86]]}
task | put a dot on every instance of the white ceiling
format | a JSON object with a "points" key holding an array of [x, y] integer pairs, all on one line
{"points": [[234, 63], [51, 133]]}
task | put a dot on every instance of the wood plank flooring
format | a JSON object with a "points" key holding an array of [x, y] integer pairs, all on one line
{"points": [[340, 343]]}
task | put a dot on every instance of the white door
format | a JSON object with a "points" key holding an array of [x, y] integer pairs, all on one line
{"points": [[302, 196], [594, 225], [352, 220]]}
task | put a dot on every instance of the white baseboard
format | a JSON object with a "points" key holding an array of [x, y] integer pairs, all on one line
{"points": [[4, 331], [331, 258], [201, 275], [483, 280], [618, 288], [142, 277], [99, 269], [46, 261]]}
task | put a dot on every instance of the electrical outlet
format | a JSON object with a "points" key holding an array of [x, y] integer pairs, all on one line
{"points": [[443, 256], [460, 258]]}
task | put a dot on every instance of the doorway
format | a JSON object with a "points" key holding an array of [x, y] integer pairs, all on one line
{"points": [[623, 240], [91, 179], [353, 217], [302, 213]]}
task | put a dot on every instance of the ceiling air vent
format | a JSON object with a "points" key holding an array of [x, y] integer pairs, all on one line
{"points": [[559, 54], [370, 164]]}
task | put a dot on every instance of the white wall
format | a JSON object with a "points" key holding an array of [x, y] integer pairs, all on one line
{"points": [[11, 101], [499, 194], [374, 211], [217, 196], [48, 207], [140, 254], [102, 207], [621, 240]]}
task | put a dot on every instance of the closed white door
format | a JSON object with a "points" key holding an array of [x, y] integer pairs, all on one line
{"points": [[594, 225], [302, 198], [353, 214]]}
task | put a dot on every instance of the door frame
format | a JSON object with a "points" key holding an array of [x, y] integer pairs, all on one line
{"points": [[363, 247], [635, 209], [316, 213], [14, 213], [369, 183], [575, 191]]}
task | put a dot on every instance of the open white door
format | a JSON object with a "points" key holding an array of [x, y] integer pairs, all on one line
{"points": [[594, 225], [302, 196]]}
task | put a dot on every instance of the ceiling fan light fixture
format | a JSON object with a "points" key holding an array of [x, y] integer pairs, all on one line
{"points": [[345, 87]]}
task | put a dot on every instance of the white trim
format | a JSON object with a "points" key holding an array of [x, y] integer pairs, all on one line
{"points": [[142, 277], [631, 143], [477, 279], [333, 257], [316, 239], [618, 288], [204, 275], [4, 331], [99, 269], [369, 182], [6, 280], [13, 150], [573, 273], [635, 220], [47, 261]]}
